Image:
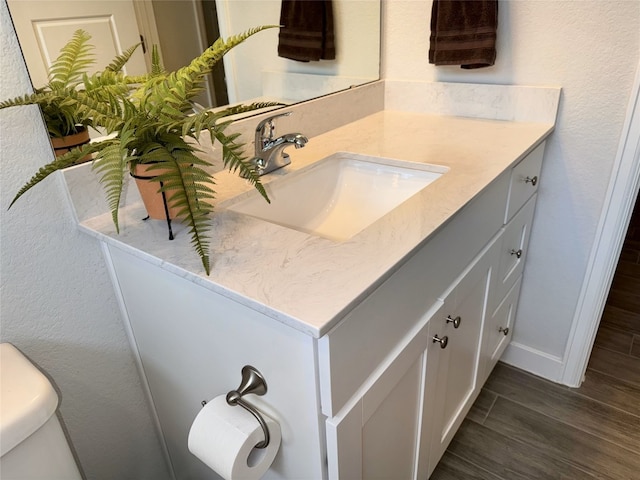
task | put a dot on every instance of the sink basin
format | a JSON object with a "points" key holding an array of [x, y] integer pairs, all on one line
{"points": [[338, 196]]}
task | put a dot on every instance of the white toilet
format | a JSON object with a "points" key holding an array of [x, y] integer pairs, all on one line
{"points": [[32, 444]]}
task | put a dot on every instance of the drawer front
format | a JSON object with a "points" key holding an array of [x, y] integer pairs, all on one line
{"points": [[525, 177], [514, 250], [498, 331]]}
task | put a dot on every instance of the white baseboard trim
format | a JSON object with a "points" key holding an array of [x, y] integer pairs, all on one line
{"points": [[534, 361]]}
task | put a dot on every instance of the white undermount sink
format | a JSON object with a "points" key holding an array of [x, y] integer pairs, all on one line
{"points": [[338, 196]]}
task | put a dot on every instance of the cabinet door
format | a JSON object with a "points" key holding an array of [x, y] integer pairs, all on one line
{"points": [[456, 374], [375, 436]]}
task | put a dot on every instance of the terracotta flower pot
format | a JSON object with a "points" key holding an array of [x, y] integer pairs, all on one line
{"points": [[64, 144], [149, 191]]}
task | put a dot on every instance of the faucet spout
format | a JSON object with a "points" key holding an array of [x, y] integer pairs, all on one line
{"points": [[270, 154], [296, 139]]}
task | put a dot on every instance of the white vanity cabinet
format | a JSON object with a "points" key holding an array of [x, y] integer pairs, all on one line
{"points": [[462, 286], [398, 423], [379, 395]]}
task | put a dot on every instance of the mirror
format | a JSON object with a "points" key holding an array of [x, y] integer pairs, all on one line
{"points": [[182, 29]]}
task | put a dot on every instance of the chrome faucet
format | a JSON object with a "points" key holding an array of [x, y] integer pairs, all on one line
{"points": [[270, 154]]}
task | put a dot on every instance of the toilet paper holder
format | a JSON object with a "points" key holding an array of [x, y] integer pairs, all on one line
{"points": [[252, 382]]}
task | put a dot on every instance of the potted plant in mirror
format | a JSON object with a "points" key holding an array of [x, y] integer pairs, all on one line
{"points": [[150, 124], [67, 129], [66, 126]]}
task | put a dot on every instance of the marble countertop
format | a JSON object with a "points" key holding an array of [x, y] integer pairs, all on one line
{"points": [[309, 282]]}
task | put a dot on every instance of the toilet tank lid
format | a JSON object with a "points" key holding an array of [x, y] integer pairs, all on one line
{"points": [[27, 398]]}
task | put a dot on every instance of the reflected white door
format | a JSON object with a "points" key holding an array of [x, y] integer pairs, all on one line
{"points": [[43, 27]]}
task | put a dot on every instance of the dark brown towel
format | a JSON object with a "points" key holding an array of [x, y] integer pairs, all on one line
{"points": [[306, 30], [463, 32]]}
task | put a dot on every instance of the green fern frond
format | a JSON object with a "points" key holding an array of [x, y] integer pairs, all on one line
{"points": [[167, 98], [119, 61], [111, 165], [187, 187], [60, 114], [106, 114], [74, 59], [194, 124], [234, 160], [64, 161], [61, 119], [112, 81], [37, 98], [156, 66], [249, 107], [200, 66]]}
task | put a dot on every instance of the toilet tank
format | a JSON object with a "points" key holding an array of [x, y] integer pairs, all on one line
{"points": [[32, 443]]}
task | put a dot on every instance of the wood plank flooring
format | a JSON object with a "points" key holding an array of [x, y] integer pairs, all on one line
{"points": [[620, 326], [523, 427]]}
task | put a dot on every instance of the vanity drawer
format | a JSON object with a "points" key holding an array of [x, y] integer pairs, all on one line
{"points": [[524, 181], [515, 242], [498, 331]]}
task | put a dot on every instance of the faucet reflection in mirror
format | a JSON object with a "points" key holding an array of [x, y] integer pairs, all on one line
{"points": [[270, 154]]}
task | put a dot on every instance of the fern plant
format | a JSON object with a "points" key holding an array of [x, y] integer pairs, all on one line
{"points": [[66, 73], [148, 120]]}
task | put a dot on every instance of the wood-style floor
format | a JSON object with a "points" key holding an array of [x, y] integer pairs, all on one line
{"points": [[524, 427]]}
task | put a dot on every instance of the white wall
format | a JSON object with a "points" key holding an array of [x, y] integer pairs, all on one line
{"points": [[57, 303], [590, 48]]}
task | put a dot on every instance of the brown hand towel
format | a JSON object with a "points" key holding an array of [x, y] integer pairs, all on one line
{"points": [[463, 32], [306, 30]]}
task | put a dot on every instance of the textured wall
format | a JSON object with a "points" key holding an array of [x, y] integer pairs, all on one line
{"points": [[57, 303], [63, 313], [591, 50]]}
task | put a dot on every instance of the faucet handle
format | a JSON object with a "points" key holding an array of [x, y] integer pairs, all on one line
{"points": [[266, 128]]}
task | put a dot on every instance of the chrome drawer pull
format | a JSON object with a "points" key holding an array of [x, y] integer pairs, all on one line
{"points": [[517, 253], [533, 181], [455, 321], [444, 341], [504, 330]]}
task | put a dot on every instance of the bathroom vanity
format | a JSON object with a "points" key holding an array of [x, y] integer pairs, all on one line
{"points": [[373, 347]]}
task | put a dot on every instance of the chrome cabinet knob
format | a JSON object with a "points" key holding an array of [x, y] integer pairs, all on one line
{"points": [[455, 321], [444, 341], [517, 253], [533, 181], [504, 331]]}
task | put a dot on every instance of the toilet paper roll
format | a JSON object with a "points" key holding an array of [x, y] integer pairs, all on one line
{"points": [[224, 436]]}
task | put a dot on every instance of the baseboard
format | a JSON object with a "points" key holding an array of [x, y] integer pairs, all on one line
{"points": [[534, 361]]}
